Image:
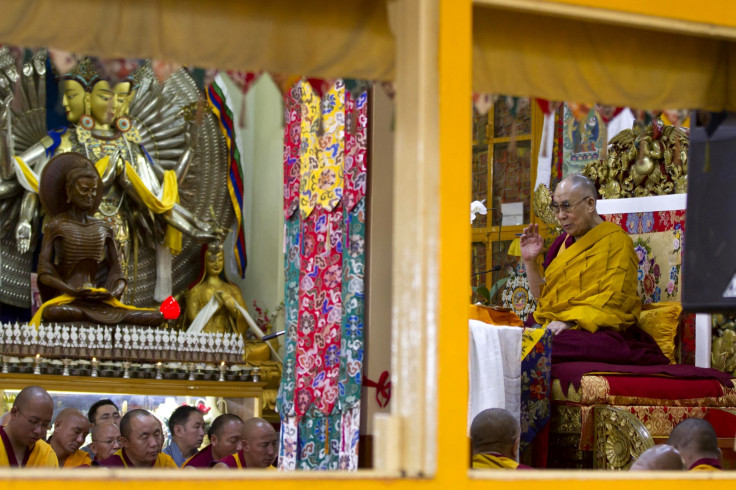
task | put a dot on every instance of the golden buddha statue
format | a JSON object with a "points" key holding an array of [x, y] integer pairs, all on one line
{"points": [[72, 99], [226, 318], [103, 130], [216, 305]]}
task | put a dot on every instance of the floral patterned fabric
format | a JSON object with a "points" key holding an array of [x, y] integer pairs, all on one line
{"points": [[659, 241], [660, 261], [353, 296], [292, 144], [285, 398], [320, 312], [323, 147], [310, 127], [535, 384], [319, 397], [648, 222], [356, 143]]}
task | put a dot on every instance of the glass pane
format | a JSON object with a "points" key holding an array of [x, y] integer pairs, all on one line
{"points": [[511, 177], [510, 109], [480, 184], [480, 125], [499, 251], [478, 264]]}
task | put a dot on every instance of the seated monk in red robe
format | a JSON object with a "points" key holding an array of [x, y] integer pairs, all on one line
{"points": [[698, 444], [588, 295], [591, 276], [496, 435], [21, 440], [260, 445], [225, 439], [140, 436], [589, 285], [70, 430]]}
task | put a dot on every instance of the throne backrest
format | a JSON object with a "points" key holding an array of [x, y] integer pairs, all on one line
{"points": [[656, 225]]}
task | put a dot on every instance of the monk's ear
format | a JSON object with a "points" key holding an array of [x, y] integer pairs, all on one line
{"points": [[592, 202], [515, 451], [123, 441], [178, 429]]}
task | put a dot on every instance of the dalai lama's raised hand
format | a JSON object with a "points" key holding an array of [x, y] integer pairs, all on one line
{"points": [[531, 242]]}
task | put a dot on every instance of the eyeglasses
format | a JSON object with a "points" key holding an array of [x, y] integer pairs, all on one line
{"points": [[566, 206], [108, 442], [36, 422]]}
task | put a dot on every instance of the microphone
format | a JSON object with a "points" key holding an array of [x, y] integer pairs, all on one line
{"points": [[495, 268], [272, 335]]}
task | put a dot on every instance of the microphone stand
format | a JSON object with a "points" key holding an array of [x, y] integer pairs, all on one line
{"points": [[494, 270]]}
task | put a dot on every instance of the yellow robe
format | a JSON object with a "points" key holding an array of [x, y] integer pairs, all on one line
{"points": [[164, 461], [42, 455], [80, 458], [485, 461], [593, 282], [121, 460], [706, 464]]}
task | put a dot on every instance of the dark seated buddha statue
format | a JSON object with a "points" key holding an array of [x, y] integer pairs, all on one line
{"points": [[79, 273]]}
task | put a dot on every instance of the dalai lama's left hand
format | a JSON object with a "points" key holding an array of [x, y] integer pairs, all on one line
{"points": [[556, 326]]}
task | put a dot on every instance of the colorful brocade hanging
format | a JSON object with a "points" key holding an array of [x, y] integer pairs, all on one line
{"points": [[319, 396], [322, 148], [292, 143]]}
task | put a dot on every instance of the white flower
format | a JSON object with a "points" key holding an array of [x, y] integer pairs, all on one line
{"points": [[477, 207]]}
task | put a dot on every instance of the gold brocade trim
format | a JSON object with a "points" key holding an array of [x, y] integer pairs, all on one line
{"points": [[708, 401], [619, 438], [594, 390], [587, 429], [558, 394], [565, 420], [660, 421]]}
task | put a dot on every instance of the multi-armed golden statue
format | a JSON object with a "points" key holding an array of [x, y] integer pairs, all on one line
{"points": [[144, 139]]}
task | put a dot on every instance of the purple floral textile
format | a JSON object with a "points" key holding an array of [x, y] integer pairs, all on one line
{"points": [[535, 389]]}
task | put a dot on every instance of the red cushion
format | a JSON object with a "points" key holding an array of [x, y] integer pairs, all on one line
{"points": [[663, 388]]}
